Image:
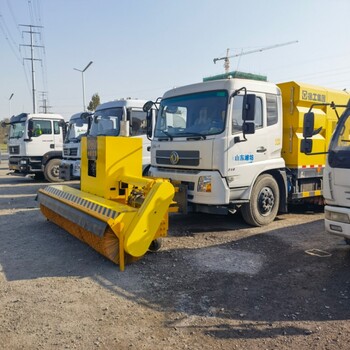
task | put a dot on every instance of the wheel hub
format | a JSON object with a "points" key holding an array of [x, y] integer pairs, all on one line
{"points": [[55, 171], [266, 201]]}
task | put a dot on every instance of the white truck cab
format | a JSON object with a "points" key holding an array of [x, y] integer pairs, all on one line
{"points": [[35, 144], [337, 180], [123, 117], [78, 126]]}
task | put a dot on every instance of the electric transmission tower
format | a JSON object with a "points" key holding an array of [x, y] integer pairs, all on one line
{"points": [[31, 31], [44, 100]]}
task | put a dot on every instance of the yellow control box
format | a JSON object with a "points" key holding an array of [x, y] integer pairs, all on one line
{"points": [[100, 169]]}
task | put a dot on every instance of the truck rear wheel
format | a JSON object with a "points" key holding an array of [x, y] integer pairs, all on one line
{"points": [[264, 202], [51, 171]]}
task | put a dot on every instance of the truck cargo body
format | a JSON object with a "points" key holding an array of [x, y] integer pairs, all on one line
{"points": [[225, 169]]}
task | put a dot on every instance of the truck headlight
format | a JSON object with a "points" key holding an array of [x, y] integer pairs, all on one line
{"points": [[339, 217], [204, 184], [77, 167], [23, 162]]}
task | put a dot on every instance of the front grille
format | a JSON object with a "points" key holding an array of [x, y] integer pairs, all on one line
{"points": [[14, 149], [13, 161], [70, 152], [185, 158]]}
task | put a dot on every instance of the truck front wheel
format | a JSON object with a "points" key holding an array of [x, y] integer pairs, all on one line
{"points": [[264, 202], [51, 171]]}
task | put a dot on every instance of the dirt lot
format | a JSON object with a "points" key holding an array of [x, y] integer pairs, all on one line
{"points": [[216, 284]]}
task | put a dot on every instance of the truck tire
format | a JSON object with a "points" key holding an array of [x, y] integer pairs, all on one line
{"points": [[264, 202], [51, 171], [155, 245], [146, 170]]}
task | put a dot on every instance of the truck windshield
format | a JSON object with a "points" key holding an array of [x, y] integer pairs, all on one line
{"points": [[76, 128], [196, 115], [17, 130], [339, 149], [106, 122]]}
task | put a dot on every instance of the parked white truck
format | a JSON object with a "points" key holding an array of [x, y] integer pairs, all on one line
{"points": [[78, 125], [35, 145], [124, 117], [235, 144], [336, 175]]}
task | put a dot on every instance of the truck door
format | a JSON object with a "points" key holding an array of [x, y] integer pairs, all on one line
{"points": [[138, 126], [247, 159], [42, 136], [57, 135], [336, 177]]}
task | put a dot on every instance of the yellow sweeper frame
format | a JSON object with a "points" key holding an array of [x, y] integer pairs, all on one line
{"points": [[117, 211]]}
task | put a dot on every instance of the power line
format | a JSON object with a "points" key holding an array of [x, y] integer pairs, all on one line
{"points": [[13, 16], [8, 37], [30, 8]]}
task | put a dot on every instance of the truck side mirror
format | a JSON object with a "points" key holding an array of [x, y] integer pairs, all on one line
{"points": [[3, 124], [148, 106], [30, 128], [308, 125], [149, 124], [249, 107], [306, 146], [308, 132], [248, 128], [85, 115], [62, 123]]}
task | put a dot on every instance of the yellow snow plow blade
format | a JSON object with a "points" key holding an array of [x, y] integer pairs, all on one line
{"points": [[123, 227]]}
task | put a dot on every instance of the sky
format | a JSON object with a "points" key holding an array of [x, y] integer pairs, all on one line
{"points": [[142, 48]]}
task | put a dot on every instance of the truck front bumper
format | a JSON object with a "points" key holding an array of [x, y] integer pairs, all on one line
{"points": [[69, 170], [337, 221], [203, 187], [24, 165]]}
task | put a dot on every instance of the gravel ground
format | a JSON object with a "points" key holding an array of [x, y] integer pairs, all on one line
{"points": [[215, 284]]}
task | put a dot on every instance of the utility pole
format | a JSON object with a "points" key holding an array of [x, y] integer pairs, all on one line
{"points": [[83, 81], [10, 103], [31, 58]]}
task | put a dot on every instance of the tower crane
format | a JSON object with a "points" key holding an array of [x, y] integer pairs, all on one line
{"points": [[227, 57]]}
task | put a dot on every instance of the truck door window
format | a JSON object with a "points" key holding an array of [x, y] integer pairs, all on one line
{"points": [[41, 127], [138, 122], [56, 128], [237, 120], [271, 107], [339, 149]]}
